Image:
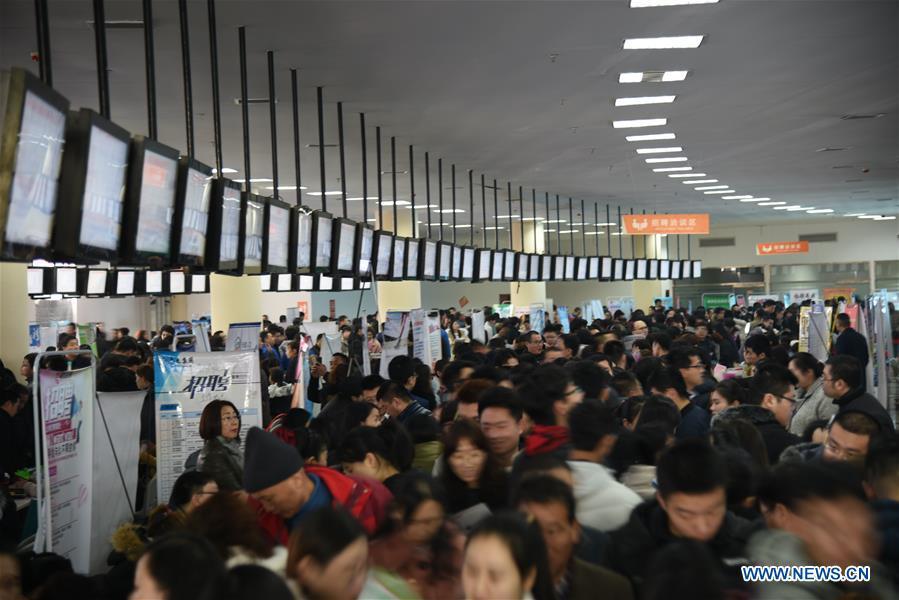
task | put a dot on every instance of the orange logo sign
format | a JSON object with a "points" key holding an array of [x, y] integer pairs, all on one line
{"points": [[767, 248], [673, 224]]}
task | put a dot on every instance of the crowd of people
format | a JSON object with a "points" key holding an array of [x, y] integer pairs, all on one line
{"points": [[606, 459]]}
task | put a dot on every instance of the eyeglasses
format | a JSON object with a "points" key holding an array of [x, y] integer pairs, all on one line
{"points": [[788, 399], [230, 418], [695, 367], [575, 390]]}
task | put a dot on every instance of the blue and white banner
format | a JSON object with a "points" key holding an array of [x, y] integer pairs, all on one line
{"points": [[185, 382], [562, 313], [243, 337]]}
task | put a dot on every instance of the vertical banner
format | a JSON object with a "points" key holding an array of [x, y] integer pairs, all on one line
{"points": [[435, 338], [366, 359], [185, 383], [34, 337], [537, 317], [477, 326], [421, 340], [87, 335], [331, 345], [67, 422], [587, 312], [397, 327], [562, 312], [597, 309], [116, 431], [623, 303], [201, 334], [243, 337]]}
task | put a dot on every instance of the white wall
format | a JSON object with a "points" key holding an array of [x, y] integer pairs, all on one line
{"points": [[133, 313], [576, 293], [345, 303], [857, 240], [446, 294]]}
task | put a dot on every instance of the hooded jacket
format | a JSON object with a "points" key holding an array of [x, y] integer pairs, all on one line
{"points": [[602, 502], [776, 438], [811, 405]]}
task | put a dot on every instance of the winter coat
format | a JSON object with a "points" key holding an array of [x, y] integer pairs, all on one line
{"points": [[223, 459], [639, 478], [811, 405], [602, 502], [776, 438], [852, 343], [426, 455], [887, 514], [694, 422], [633, 546], [858, 401]]}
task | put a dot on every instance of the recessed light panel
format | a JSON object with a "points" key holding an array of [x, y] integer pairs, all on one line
{"points": [[642, 100], [663, 43], [639, 123]]}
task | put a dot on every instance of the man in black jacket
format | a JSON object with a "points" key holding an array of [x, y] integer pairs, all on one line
{"points": [[844, 382], [691, 503], [849, 341]]}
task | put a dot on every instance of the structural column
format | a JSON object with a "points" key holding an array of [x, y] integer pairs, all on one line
{"points": [[234, 300], [14, 315]]}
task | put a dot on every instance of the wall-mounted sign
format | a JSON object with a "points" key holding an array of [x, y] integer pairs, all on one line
{"points": [[767, 248], [673, 224]]}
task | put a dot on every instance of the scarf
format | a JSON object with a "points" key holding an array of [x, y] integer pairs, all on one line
{"points": [[545, 438], [232, 447]]}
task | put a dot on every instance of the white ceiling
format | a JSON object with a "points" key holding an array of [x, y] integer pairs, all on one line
{"points": [[524, 92]]}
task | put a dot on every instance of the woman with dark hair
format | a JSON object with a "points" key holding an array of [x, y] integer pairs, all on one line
{"points": [[179, 566], [811, 404], [382, 453], [470, 473], [504, 358], [505, 557], [725, 394], [423, 388], [221, 455]]}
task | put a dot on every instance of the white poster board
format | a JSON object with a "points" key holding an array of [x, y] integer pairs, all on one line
{"points": [[185, 382], [435, 338], [421, 342], [537, 318], [477, 326], [243, 337], [799, 296]]}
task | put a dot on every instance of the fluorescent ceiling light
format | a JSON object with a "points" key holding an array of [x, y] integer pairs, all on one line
{"points": [[594, 233], [337, 193], [507, 217], [663, 43], [424, 206], [630, 77], [696, 181], [674, 76], [885, 218], [794, 206], [371, 219], [748, 199], [549, 231], [493, 228], [685, 174], [286, 187], [672, 169], [652, 76], [466, 226], [532, 218], [775, 203], [720, 192], [651, 137], [398, 203], [619, 233], [580, 224], [260, 180], [667, 159], [639, 123], [736, 197], [819, 211], [570, 231], [226, 170], [868, 216], [641, 100], [449, 211], [357, 198], [659, 150], [555, 221], [711, 187], [855, 215], [759, 199], [655, 3], [607, 224]]}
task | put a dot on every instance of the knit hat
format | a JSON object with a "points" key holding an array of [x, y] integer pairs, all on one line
{"points": [[268, 462]]}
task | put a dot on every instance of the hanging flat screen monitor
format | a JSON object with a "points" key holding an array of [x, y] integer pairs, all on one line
{"points": [[468, 263], [322, 232], [398, 268], [606, 269], [629, 268], [444, 261], [534, 267], [653, 268], [276, 242], [569, 268], [686, 269], [199, 283], [509, 265], [31, 150], [149, 203], [580, 273], [66, 280], [177, 283], [457, 263], [618, 269], [664, 269], [95, 284], [383, 251], [300, 240], [696, 269], [253, 232], [546, 268], [348, 284], [324, 283], [429, 261], [496, 271], [675, 269], [485, 264], [191, 218], [558, 268], [343, 254], [305, 283], [223, 233], [154, 283], [282, 282], [88, 223], [412, 263], [364, 243], [123, 283], [39, 281], [523, 262], [593, 268], [642, 272]]}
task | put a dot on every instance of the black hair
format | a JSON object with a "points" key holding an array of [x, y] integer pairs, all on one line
{"points": [[882, 461], [186, 566], [662, 339], [684, 569], [658, 409], [731, 390], [758, 344], [127, 344], [588, 376], [389, 442], [645, 369], [450, 374], [391, 389], [690, 466], [401, 368], [372, 381], [536, 465], [679, 357], [422, 428], [544, 387], [188, 484], [770, 379], [422, 387], [856, 422], [666, 379], [356, 413], [501, 397], [324, 534], [589, 422], [808, 362], [812, 427], [276, 375], [571, 342], [525, 544], [544, 489], [740, 434], [615, 350], [844, 320], [790, 482], [846, 368], [624, 382]]}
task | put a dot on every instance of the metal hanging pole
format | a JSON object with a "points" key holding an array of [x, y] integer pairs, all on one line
{"points": [[547, 243], [414, 217], [102, 67], [495, 216], [620, 232], [428, 190], [342, 157], [453, 183], [689, 247], [509, 198], [396, 225], [633, 241], [558, 227], [596, 225], [470, 207], [41, 19], [245, 114], [380, 184], [440, 197], [150, 60], [295, 93], [583, 230], [570, 225], [186, 76], [321, 147], [644, 240], [534, 214], [216, 100], [609, 229], [273, 118], [364, 169], [483, 211]]}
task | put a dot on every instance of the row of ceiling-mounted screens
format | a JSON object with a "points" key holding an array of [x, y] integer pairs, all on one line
{"points": [[75, 187]]}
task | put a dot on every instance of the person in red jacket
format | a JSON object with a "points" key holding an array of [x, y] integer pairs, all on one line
{"points": [[284, 491]]}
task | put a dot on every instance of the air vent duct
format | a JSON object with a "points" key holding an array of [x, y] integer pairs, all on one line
{"points": [[717, 242], [818, 237]]}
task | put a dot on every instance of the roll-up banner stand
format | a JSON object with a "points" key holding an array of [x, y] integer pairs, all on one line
{"points": [[243, 337]]}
